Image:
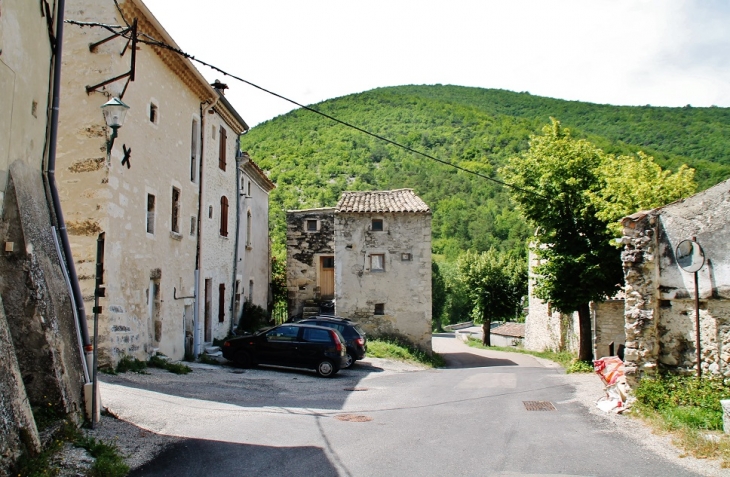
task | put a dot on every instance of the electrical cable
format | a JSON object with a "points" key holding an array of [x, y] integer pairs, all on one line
{"points": [[154, 42]]}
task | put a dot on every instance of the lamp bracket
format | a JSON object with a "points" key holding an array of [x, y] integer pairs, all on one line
{"points": [[130, 74]]}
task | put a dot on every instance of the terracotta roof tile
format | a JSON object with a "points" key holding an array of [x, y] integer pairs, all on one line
{"points": [[516, 330], [382, 201]]}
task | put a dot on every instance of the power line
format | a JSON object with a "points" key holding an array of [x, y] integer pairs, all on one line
{"points": [[154, 42]]}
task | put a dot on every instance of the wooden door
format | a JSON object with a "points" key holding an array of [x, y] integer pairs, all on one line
{"points": [[327, 277]]}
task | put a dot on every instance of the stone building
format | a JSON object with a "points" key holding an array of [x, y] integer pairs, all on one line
{"points": [[254, 251], [166, 195], [548, 329], [372, 255], [660, 308]]}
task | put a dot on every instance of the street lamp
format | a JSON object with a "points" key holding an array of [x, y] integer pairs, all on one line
{"points": [[114, 112]]}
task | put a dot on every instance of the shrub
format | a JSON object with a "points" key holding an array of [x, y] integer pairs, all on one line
{"points": [[127, 363], [253, 317], [160, 361]]}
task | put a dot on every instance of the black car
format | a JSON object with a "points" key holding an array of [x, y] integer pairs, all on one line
{"points": [[291, 344], [355, 340]]}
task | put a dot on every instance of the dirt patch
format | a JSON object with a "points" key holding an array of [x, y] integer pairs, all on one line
{"points": [[87, 165], [83, 227], [95, 131]]}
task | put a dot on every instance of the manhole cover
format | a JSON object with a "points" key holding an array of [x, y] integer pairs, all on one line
{"points": [[353, 418], [539, 405], [356, 389]]}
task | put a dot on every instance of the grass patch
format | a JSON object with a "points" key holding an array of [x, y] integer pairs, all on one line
{"points": [[108, 462], [689, 409], [565, 359], [160, 361], [397, 349], [207, 359]]}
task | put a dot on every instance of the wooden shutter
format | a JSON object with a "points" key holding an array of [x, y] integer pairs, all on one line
{"points": [[222, 149], [221, 302], [224, 216]]}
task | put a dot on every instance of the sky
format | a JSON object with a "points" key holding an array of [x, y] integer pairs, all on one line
{"points": [[622, 52]]}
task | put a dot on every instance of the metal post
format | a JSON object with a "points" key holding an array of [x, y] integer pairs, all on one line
{"points": [[697, 328], [99, 291]]}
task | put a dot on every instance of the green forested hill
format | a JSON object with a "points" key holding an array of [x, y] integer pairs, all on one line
{"points": [[312, 160]]}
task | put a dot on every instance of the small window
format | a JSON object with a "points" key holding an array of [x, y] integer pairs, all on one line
{"points": [[249, 188], [328, 263], [377, 225], [379, 309], [153, 113], [377, 262], [175, 210], [221, 302], [210, 211], [150, 214], [193, 225], [406, 257], [212, 129], [224, 216], [250, 291], [311, 225], [222, 149]]}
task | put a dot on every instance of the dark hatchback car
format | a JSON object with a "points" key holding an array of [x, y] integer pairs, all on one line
{"points": [[291, 344], [355, 340]]}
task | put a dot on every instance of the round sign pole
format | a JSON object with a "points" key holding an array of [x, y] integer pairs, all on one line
{"points": [[691, 258]]}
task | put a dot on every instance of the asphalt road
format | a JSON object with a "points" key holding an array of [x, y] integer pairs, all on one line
{"points": [[470, 418]]}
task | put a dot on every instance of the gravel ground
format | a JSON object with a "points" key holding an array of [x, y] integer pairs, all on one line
{"points": [[139, 446]]}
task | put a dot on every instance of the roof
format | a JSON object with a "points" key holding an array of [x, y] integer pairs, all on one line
{"points": [[516, 330], [255, 172], [382, 201]]}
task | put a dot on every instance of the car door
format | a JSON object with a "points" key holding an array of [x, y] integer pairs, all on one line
{"points": [[312, 346], [280, 345]]}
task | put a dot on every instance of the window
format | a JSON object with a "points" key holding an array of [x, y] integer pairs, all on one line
{"points": [[224, 216], [328, 263], [311, 225], [150, 214], [379, 309], [222, 149], [249, 188], [405, 257], [316, 336], [210, 211], [283, 333], [377, 225], [377, 262], [221, 302], [250, 291], [175, 210], [193, 224], [153, 113], [248, 229], [194, 136]]}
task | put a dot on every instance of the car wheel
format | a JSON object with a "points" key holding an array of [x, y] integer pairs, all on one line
{"points": [[243, 359], [326, 369], [349, 360]]}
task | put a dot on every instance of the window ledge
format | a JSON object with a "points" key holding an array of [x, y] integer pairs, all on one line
{"points": [[175, 235]]}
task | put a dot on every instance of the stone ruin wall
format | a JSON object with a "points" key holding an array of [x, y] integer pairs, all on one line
{"points": [[303, 249]]}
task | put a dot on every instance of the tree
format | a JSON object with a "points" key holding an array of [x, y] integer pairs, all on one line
{"points": [[574, 193], [554, 181], [495, 282]]}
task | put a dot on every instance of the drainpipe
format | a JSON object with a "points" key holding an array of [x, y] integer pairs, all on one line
{"points": [[199, 250], [50, 175], [239, 160]]}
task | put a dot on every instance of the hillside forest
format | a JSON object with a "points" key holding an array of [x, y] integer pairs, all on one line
{"points": [[313, 159]]}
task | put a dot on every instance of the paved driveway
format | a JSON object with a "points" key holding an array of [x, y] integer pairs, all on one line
{"points": [[468, 419]]}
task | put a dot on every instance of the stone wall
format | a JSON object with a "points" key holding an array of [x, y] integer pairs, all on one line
{"points": [[402, 289], [660, 309], [304, 248]]}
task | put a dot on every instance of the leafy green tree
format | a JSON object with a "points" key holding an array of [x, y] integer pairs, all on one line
{"points": [[554, 181], [633, 183], [495, 282], [438, 296]]}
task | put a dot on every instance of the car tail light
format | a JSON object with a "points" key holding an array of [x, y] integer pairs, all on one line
{"points": [[227, 344], [338, 344], [360, 341]]}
